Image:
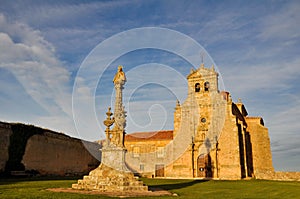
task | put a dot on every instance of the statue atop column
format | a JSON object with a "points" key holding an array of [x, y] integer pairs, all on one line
{"points": [[115, 137], [112, 175], [119, 81]]}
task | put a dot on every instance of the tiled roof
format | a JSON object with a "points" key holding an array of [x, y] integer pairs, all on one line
{"points": [[146, 136]]}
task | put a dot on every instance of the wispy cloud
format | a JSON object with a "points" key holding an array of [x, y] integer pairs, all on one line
{"points": [[282, 24], [33, 62], [270, 77]]}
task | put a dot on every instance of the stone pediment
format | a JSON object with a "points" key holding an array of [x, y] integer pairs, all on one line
{"points": [[193, 74], [201, 71]]}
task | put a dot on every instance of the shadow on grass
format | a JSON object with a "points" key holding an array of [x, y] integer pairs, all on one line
{"points": [[176, 185], [13, 180]]}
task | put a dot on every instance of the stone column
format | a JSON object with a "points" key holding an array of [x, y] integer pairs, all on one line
{"points": [[112, 175], [119, 112]]}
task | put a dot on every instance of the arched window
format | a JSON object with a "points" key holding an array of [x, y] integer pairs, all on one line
{"points": [[206, 86], [197, 87]]}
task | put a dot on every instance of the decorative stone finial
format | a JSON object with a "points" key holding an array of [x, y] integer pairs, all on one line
{"points": [[109, 121], [177, 103], [213, 68], [229, 98], [192, 70]]}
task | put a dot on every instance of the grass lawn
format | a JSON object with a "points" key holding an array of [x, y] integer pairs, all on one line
{"points": [[36, 188]]}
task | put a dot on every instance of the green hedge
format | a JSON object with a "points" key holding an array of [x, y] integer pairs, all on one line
{"points": [[18, 141]]}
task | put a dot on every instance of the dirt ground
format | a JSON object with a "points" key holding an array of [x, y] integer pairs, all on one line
{"points": [[151, 192]]}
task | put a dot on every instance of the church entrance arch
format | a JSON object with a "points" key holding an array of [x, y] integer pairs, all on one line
{"points": [[204, 166]]}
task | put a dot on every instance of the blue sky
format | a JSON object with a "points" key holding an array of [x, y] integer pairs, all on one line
{"points": [[255, 46]]}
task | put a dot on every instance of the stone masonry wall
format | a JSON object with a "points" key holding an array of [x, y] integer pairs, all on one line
{"points": [[5, 133], [229, 154], [286, 176], [261, 150], [147, 155], [58, 154], [181, 167]]}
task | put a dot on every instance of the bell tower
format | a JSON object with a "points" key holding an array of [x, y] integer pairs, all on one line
{"points": [[202, 81], [206, 112], [202, 90]]}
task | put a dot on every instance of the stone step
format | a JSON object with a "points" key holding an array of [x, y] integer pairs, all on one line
{"points": [[75, 186], [134, 188], [103, 187], [121, 182]]}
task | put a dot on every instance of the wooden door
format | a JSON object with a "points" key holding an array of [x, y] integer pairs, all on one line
{"points": [[159, 170], [201, 166], [204, 166]]}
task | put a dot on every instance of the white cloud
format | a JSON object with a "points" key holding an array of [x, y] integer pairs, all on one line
{"points": [[282, 24], [62, 12], [284, 132], [289, 115], [271, 76], [33, 62]]}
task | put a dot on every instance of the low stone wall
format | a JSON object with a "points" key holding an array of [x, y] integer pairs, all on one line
{"points": [[279, 175], [58, 154], [287, 176], [45, 152], [5, 133]]}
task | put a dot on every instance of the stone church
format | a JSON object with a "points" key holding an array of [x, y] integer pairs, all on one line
{"points": [[213, 137]]}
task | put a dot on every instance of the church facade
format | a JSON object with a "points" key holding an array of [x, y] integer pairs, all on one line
{"points": [[213, 137]]}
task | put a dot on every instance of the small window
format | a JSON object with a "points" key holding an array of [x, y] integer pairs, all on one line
{"points": [[136, 152], [206, 86], [141, 167], [160, 152], [197, 87]]}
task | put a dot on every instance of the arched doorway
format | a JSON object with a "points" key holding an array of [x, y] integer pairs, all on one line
{"points": [[204, 166]]}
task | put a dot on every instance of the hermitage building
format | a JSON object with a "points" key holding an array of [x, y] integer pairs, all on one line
{"points": [[213, 137]]}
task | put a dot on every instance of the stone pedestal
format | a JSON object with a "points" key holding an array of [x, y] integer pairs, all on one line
{"points": [[114, 157], [112, 175], [106, 179]]}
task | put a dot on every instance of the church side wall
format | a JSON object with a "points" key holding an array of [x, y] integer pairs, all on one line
{"points": [[54, 154], [147, 156], [142, 156], [5, 133], [181, 167], [229, 153], [261, 150]]}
